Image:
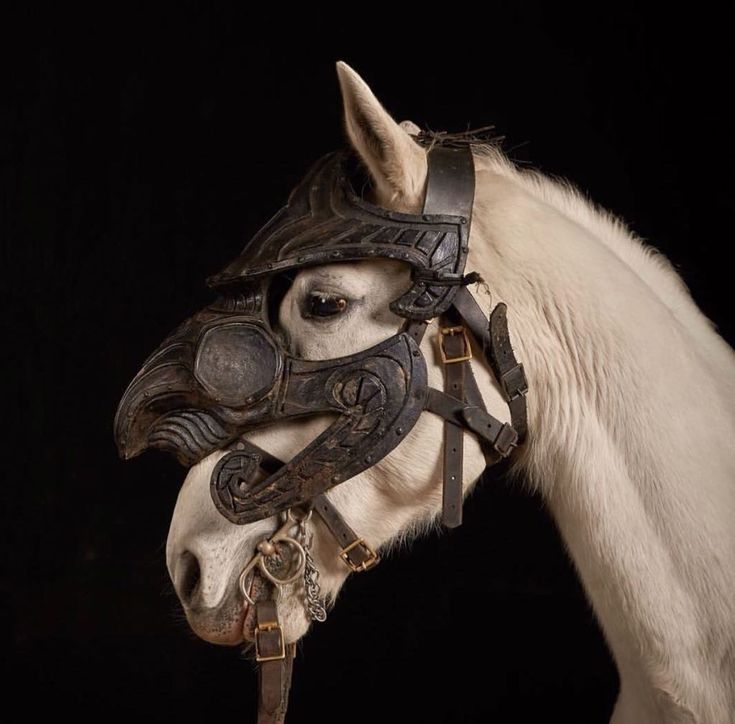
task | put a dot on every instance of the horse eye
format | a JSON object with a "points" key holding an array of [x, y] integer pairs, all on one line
{"points": [[324, 305]]}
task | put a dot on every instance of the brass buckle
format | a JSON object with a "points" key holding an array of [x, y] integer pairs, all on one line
{"points": [[262, 628], [443, 332], [372, 560]]}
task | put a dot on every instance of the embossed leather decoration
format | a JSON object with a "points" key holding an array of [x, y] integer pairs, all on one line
{"points": [[325, 221], [224, 371]]}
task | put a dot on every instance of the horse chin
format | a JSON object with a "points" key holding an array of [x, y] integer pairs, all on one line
{"points": [[291, 615], [223, 627], [235, 623]]}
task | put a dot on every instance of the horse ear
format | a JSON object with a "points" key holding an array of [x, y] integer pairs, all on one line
{"points": [[396, 162]]}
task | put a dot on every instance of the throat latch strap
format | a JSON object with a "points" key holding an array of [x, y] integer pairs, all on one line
{"points": [[494, 339], [497, 438], [456, 352], [461, 404]]}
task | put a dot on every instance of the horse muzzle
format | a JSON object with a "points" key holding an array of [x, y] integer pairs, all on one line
{"points": [[224, 372]]}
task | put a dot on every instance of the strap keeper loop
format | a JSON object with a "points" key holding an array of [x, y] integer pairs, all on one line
{"points": [[506, 440], [514, 382]]}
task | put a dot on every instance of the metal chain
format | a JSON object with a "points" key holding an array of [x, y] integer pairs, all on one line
{"points": [[314, 604]]}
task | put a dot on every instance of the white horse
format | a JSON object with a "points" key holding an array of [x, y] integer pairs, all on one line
{"points": [[631, 415]]}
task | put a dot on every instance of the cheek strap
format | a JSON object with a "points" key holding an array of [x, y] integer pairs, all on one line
{"points": [[461, 404]]}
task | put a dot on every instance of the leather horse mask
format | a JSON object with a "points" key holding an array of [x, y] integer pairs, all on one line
{"points": [[225, 371]]}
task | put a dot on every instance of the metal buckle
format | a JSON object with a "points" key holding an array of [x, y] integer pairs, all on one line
{"points": [[514, 381], [372, 559], [263, 628], [506, 440], [443, 332]]}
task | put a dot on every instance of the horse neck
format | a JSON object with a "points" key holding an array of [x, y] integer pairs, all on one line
{"points": [[631, 418]]}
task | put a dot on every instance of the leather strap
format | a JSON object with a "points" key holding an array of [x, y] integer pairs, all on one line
{"points": [[275, 659], [354, 551], [415, 329], [494, 338], [450, 182], [455, 350], [508, 370], [496, 438], [474, 398]]}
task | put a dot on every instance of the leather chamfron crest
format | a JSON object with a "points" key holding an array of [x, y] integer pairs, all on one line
{"points": [[326, 221]]}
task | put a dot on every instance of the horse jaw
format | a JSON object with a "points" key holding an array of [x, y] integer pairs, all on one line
{"points": [[383, 504], [386, 502]]}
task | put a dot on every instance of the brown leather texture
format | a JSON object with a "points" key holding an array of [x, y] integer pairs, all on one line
{"points": [[453, 458], [494, 338], [326, 221], [274, 677]]}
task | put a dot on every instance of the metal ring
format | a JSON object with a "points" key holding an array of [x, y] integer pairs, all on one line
{"points": [[296, 519], [241, 583], [299, 568]]}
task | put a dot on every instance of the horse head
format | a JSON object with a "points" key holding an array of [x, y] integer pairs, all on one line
{"points": [[305, 382], [352, 380]]}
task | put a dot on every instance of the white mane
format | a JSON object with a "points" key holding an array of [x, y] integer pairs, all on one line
{"points": [[633, 422], [561, 193]]}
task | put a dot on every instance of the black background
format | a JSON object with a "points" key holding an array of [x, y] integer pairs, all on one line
{"points": [[140, 147]]}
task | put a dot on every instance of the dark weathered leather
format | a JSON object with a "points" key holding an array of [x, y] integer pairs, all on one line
{"points": [[376, 394], [455, 348], [224, 371], [494, 436], [508, 371], [450, 183], [274, 677], [494, 339], [360, 556], [326, 221], [357, 554]]}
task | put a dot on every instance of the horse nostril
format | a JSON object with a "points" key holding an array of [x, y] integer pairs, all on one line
{"points": [[188, 577]]}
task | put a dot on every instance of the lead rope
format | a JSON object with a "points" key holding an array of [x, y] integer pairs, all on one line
{"points": [[275, 664]]}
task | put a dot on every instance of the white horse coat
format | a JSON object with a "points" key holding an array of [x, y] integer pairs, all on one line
{"points": [[631, 414]]}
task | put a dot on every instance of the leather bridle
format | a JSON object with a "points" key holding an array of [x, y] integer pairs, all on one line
{"points": [[463, 409], [224, 372]]}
